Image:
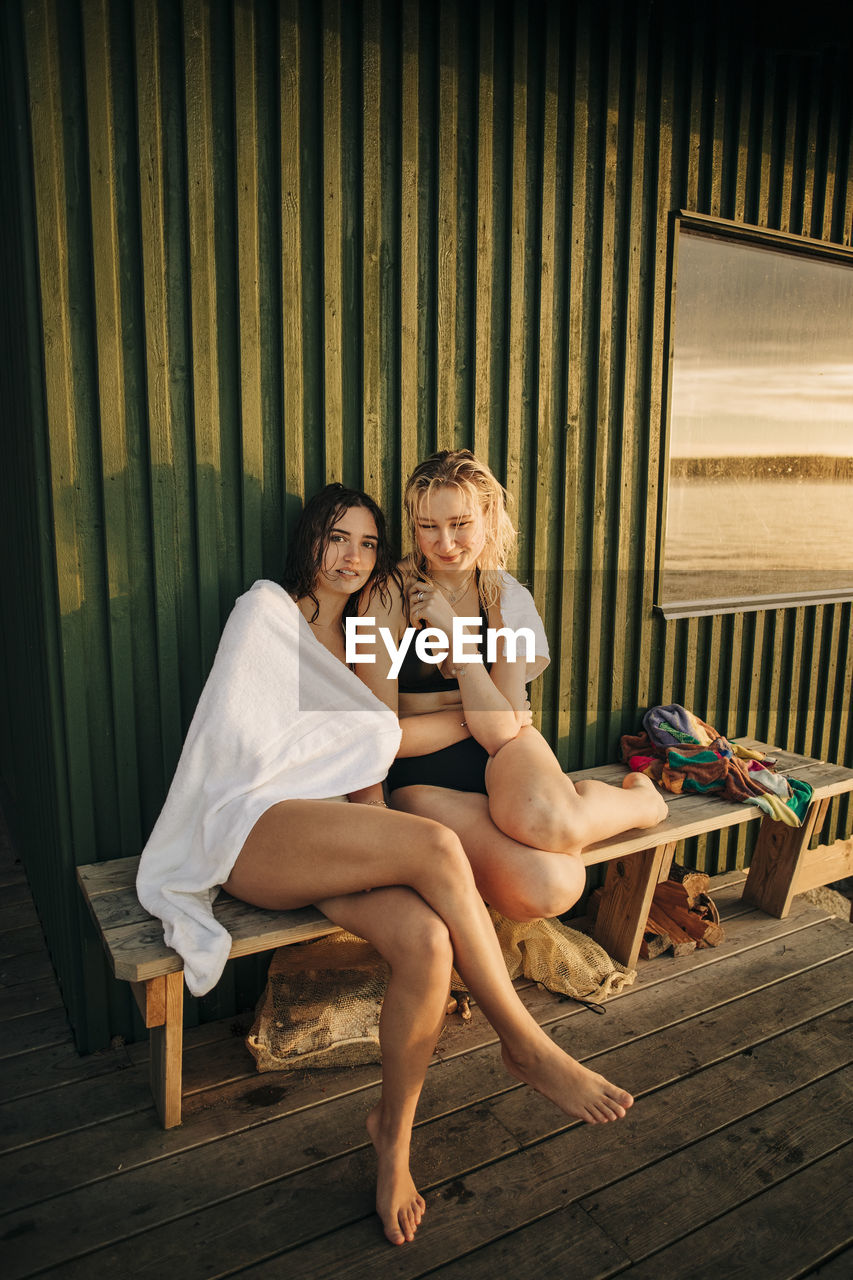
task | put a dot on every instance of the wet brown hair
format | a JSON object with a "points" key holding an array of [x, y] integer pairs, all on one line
{"points": [[311, 539]]}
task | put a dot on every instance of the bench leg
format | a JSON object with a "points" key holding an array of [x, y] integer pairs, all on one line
{"points": [[161, 1001], [628, 891], [780, 852]]}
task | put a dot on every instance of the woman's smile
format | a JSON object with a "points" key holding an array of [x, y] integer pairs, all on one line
{"points": [[351, 550], [450, 529]]}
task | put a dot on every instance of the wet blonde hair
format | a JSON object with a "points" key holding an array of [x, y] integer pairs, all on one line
{"points": [[459, 469]]}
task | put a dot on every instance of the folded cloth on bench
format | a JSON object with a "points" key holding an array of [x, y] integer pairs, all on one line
{"points": [[279, 718], [682, 753]]}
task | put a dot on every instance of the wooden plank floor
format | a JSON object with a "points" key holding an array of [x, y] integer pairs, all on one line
{"points": [[735, 1160]]}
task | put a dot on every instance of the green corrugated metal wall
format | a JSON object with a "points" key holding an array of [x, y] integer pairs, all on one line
{"points": [[256, 246]]}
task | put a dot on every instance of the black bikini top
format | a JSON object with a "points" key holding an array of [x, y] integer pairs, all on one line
{"points": [[425, 677]]}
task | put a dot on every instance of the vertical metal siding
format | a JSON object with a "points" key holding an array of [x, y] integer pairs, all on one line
{"points": [[280, 243]]}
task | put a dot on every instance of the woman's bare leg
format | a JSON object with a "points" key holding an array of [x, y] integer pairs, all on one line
{"points": [[521, 882], [304, 851], [416, 944], [532, 800]]}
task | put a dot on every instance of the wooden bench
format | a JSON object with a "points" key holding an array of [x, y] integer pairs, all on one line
{"points": [[782, 866]]}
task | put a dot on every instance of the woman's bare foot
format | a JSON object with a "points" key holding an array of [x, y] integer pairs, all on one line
{"points": [[654, 807], [398, 1202], [575, 1089]]}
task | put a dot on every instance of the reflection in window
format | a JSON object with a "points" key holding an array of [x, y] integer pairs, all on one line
{"points": [[759, 502]]}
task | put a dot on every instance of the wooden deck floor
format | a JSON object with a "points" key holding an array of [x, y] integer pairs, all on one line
{"points": [[735, 1160]]}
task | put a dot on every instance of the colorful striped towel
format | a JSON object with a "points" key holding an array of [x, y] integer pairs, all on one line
{"points": [[683, 754]]}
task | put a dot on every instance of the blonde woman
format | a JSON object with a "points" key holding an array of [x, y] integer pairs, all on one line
{"points": [[469, 755]]}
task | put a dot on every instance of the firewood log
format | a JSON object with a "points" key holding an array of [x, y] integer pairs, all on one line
{"points": [[673, 898], [713, 935], [665, 921], [695, 882], [706, 907], [654, 944], [682, 943], [705, 932], [673, 894], [692, 924]]}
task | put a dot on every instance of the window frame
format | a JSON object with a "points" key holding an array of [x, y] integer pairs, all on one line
{"points": [[762, 237]]}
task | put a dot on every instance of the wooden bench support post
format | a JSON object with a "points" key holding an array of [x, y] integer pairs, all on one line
{"points": [[624, 908], [161, 1002], [824, 865], [779, 852]]}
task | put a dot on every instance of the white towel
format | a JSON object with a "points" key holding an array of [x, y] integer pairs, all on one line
{"points": [[279, 718]]}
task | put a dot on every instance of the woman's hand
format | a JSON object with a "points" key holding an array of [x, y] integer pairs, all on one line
{"points": [[487, 713], [429, 605]]}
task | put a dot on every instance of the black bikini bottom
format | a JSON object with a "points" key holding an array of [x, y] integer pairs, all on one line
{"points": [[461, 767]]}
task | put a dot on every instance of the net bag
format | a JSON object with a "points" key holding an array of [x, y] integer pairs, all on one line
{"points": [[561, 959], [323, 999], [321, 1006]]}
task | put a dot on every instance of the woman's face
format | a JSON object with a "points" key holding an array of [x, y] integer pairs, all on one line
{"points": [[350, 555], [450, 530]]}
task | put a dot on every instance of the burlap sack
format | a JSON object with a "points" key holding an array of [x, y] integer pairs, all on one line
{"points": [[323, 999], [564, 960], [321, 1006]]}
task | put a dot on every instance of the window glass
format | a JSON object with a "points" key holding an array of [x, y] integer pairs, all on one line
{"points": [[759, 495]]}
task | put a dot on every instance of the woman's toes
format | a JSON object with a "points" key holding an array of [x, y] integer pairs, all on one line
{"points": [[395, 1234]]}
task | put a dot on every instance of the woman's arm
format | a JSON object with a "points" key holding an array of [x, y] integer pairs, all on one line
{"points": [[509, 674], [489, 714], [421, 733], [432, 731], [375, 674], [493, 709], [424, 733]]}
